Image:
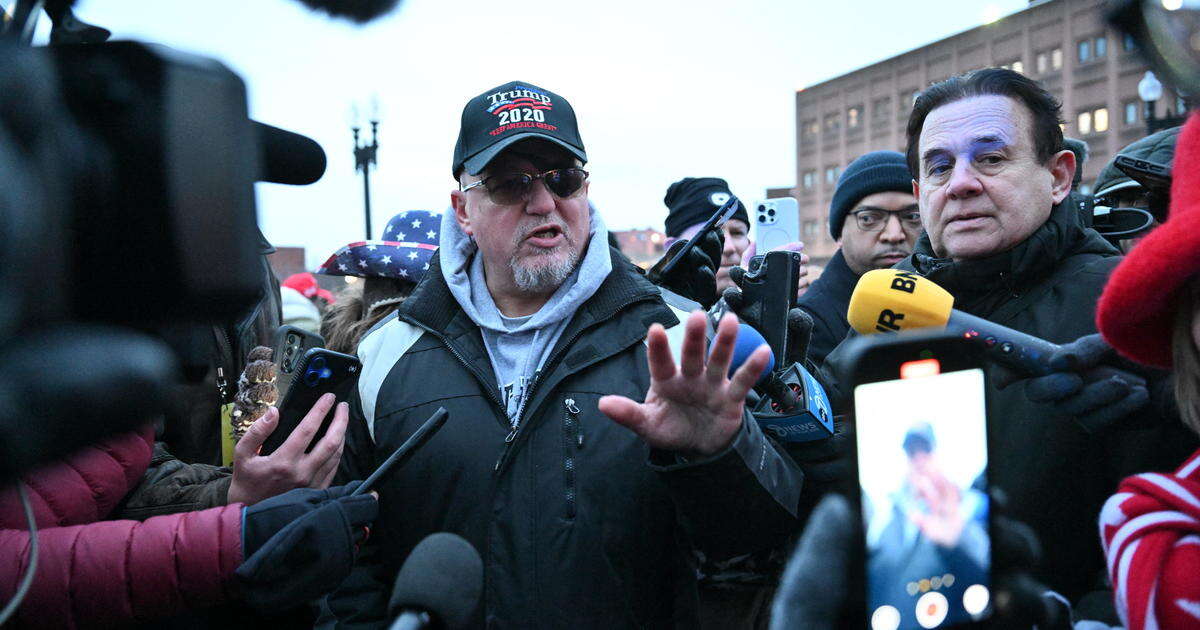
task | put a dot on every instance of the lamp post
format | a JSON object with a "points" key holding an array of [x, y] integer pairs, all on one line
{"points": [[364, 158], [1150, 91]]}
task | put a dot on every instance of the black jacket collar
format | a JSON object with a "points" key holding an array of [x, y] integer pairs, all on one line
{"points": [[975, 283]]}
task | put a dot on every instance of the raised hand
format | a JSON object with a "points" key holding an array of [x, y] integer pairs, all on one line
{"points": [[694, 409]]}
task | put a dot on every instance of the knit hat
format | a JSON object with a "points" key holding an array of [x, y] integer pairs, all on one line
{"points": [[1136, 312], [692, 200], [874, 172]]}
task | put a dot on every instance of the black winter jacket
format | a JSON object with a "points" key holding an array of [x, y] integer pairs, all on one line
{"points": [[827, 300], [1055, 475], [579, 524]]}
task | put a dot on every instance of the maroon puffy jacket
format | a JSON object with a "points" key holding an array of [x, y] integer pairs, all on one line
{"points": [[101, 573]]}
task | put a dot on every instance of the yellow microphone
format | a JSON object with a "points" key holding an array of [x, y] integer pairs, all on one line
{"points": [[892, 300]]}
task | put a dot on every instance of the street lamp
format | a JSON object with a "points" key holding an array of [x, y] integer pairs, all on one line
{"points": [[1149, 90], [364, 158]]}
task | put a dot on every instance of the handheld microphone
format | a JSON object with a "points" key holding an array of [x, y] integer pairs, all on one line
{"points": [[288, 158], [438, 586], [794, 407], [892, 300]]}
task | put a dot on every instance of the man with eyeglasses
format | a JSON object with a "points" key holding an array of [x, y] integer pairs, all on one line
{"points": [[874, 216], [581, 462]]}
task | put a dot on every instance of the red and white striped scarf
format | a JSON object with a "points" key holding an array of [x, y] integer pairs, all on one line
{"points": [[1150, 531]]}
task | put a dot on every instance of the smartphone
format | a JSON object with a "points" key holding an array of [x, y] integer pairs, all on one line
{"points": [[290, 345], [769, 293], [319, 372], [920, 425], [776, 223], [715, 222]]}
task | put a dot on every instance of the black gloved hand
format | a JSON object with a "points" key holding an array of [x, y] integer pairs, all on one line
{"points": [[1080, 387], [301, 544], [694, 277], [800, 324]]}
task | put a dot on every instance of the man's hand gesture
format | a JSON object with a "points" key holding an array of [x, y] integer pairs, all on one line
{"points": [[694, 409]]}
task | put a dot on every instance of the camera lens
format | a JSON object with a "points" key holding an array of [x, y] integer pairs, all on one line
{"points": [[771, 212], [761, 218], [311, 378], [761, 208], [318, 363]]}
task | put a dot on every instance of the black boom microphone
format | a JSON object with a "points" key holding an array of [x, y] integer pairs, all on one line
{"points": [[438, 586], [288, 158]]}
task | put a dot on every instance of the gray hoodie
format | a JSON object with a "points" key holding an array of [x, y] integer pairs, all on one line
{"points": [[518, 346]]}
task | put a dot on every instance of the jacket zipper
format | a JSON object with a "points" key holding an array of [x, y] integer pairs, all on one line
{"points": [[572, 440]]}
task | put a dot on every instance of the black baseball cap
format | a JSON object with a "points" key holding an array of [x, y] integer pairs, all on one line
{"points": [[507, 114]]}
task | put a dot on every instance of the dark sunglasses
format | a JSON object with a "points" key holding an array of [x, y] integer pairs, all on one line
{"points": [[512, 188]]}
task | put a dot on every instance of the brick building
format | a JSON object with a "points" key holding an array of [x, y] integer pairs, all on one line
{"points": [[1063, 44]]}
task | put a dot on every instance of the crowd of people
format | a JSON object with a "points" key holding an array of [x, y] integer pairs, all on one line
{"points": [[601, 452]]}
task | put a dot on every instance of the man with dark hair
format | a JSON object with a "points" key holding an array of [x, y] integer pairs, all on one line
{"points": [[875, 218], [579, 460], [991, 176]]}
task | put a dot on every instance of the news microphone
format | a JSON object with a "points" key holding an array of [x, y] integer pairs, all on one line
{"points": [[287, 157], [438, 586], [892, 300], [794, 406]]}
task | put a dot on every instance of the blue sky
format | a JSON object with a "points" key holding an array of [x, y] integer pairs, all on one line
{"points": [[662, 89]]}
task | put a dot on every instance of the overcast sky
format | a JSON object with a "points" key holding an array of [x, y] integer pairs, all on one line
{"points": [[663, 89]]}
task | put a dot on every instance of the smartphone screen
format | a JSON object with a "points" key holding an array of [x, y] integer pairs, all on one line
{"points": [[922, 463]]}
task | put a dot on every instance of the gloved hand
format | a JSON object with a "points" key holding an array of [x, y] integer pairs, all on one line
{"points": [[1079, 386], [799, 323], [301, 544], [694, 277]]}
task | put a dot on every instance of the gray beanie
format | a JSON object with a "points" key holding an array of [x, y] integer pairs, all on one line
{"points": [[874, 172]]}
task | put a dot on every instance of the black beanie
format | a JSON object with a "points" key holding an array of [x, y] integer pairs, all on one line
{"points": [[874, 172], [693, 200]]}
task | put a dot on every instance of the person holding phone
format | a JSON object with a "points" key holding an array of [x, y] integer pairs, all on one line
{"points": [[875, 218], [580, 459], [690, 201]]}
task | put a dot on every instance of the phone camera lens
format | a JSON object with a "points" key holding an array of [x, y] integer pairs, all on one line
{"points": [[318, 363], [771, 212], [311, 378], [762, 219], [762, 208]]}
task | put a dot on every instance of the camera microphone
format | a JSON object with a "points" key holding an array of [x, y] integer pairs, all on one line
{"points": [[287, 157], [438, 586]]}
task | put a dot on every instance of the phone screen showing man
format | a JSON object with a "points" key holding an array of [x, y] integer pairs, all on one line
{"points": [[922, 462]]}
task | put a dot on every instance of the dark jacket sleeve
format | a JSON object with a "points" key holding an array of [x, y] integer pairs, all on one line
{"points": [[170, 486], [714, 496]]}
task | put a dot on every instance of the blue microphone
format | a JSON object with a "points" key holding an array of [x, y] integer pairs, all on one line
{"points": [[794, 407]]}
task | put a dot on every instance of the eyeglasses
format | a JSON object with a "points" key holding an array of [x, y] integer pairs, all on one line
{"points": [[873, 220], [512, 188]]}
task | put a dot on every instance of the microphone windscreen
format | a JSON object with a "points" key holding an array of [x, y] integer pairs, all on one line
{"points": [[288, 158], [361, 11], [443, 576], [891, 300], [748, 340]]}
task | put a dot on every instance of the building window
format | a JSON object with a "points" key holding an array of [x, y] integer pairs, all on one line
{"points": [[1128, 44], [881, 108], [810, 228], [831, 175], [1043, 62], [1084, 123], [1085, 50], [809, 176], [1131, 112], [1056, 59], [832, 122], [1101, 46], [1100, 120], [852, 116]]}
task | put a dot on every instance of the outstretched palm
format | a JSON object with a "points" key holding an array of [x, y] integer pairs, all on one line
{"points": [[694, 409]]}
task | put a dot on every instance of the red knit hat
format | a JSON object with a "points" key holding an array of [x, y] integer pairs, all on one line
{"points": [[1136, 313]]}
